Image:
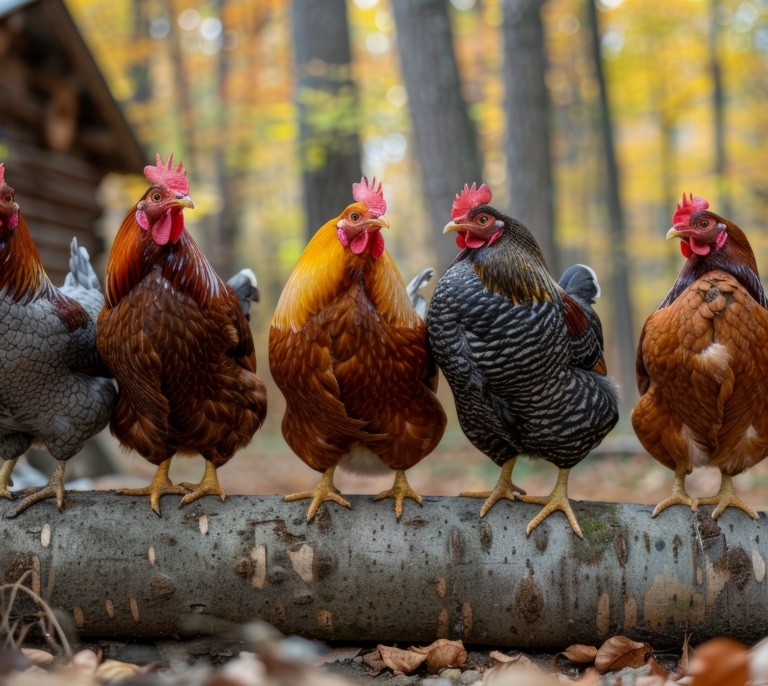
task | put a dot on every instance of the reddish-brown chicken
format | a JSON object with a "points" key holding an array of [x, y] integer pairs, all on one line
{"points": [[175, 337], [702, 361], [349, 352]]}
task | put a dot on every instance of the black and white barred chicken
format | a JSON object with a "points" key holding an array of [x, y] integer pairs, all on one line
{"points": [[523, 354]]}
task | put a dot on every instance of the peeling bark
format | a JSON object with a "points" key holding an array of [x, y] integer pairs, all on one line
{"points": [[358, 575]]}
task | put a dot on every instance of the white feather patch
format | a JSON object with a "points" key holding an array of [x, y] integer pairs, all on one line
{"points": [[360, 460]]}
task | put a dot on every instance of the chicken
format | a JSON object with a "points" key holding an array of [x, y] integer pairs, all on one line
{"points": [[349, 352], [522, 354], [178, 343], [702, 361], [50, 395]]}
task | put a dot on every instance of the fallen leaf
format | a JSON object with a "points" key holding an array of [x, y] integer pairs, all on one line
{"points": [[619, 652], [685, 659], [578, 653], [398, 660], [114, 670], [656, 669], [442, 653], [720, 662], [374, 661], [502, 658]]}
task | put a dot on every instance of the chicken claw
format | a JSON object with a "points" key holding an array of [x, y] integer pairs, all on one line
{"points": [[679, 496], [557, 500], [54, 489], [325, 490], [400, 490], [504, 488], [5, 477], [726, 497], [161, 485], [209, 485]]}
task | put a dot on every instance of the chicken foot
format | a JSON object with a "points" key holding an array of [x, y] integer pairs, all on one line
{"points": [[5, 477], [726, 497], [400, 490], [679, 496], [54, 489], [504, 488], [557, 500], [325, 490], [161, 485], [209, 485]]}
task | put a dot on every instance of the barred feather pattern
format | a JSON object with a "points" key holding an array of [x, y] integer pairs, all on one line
{"points": [[522, 383]]}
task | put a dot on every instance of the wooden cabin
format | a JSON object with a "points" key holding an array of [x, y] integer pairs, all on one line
{"points": [[61, 131]]}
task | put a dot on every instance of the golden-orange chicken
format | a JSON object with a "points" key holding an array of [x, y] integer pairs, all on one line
{"points": [[702, 361], [178, 343], [349, 352]]}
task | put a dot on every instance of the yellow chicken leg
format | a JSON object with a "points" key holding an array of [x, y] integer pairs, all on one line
{"points": [[726, 497], [325, 490], [504, 488], [557, 500], [54, 489], [161, 485], [679, 496], [5, 476], [400, 490], [209, 485]]}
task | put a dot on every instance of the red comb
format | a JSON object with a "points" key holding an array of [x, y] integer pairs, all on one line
{"points": [[2, 174], [469, 198], [371, 195], [165, 175], [686, 207]]}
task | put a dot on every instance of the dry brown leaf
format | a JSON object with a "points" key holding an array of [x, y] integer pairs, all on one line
{"points": [[398, 660], [374, 661], [114, 670], [656, 669], [619, 652], [442, 653], [720, 662], [578, 653], [685, 659], [502, 658]]}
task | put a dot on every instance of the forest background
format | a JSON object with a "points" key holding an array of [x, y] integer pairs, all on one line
{"points": [[587, 118]]}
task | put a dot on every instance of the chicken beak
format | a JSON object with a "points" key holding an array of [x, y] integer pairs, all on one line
{"points": [[184, 201], [674, 233], [453, 226], [382, 222]]}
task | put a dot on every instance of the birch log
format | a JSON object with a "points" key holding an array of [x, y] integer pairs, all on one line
{"points": [[358, 575]]}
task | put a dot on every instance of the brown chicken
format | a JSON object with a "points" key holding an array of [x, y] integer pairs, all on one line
{"points": [[178, 343], [702, 361], [349, 352]]}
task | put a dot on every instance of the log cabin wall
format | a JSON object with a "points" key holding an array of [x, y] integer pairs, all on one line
{"points": [[61, 131]]}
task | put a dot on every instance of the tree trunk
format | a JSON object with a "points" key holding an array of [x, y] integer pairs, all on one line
{"points": [[625, 341], [529, 168], [446, 141], [358, 575], [327, 102], [718, 114]]}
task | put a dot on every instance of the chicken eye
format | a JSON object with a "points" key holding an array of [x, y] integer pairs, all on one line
{"points": [[483, 219], [8, 198], [703, 223], [157, 196], [355, 216]]}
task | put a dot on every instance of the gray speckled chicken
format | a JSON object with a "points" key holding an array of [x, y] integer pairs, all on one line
{"points": [[49, 395]]}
